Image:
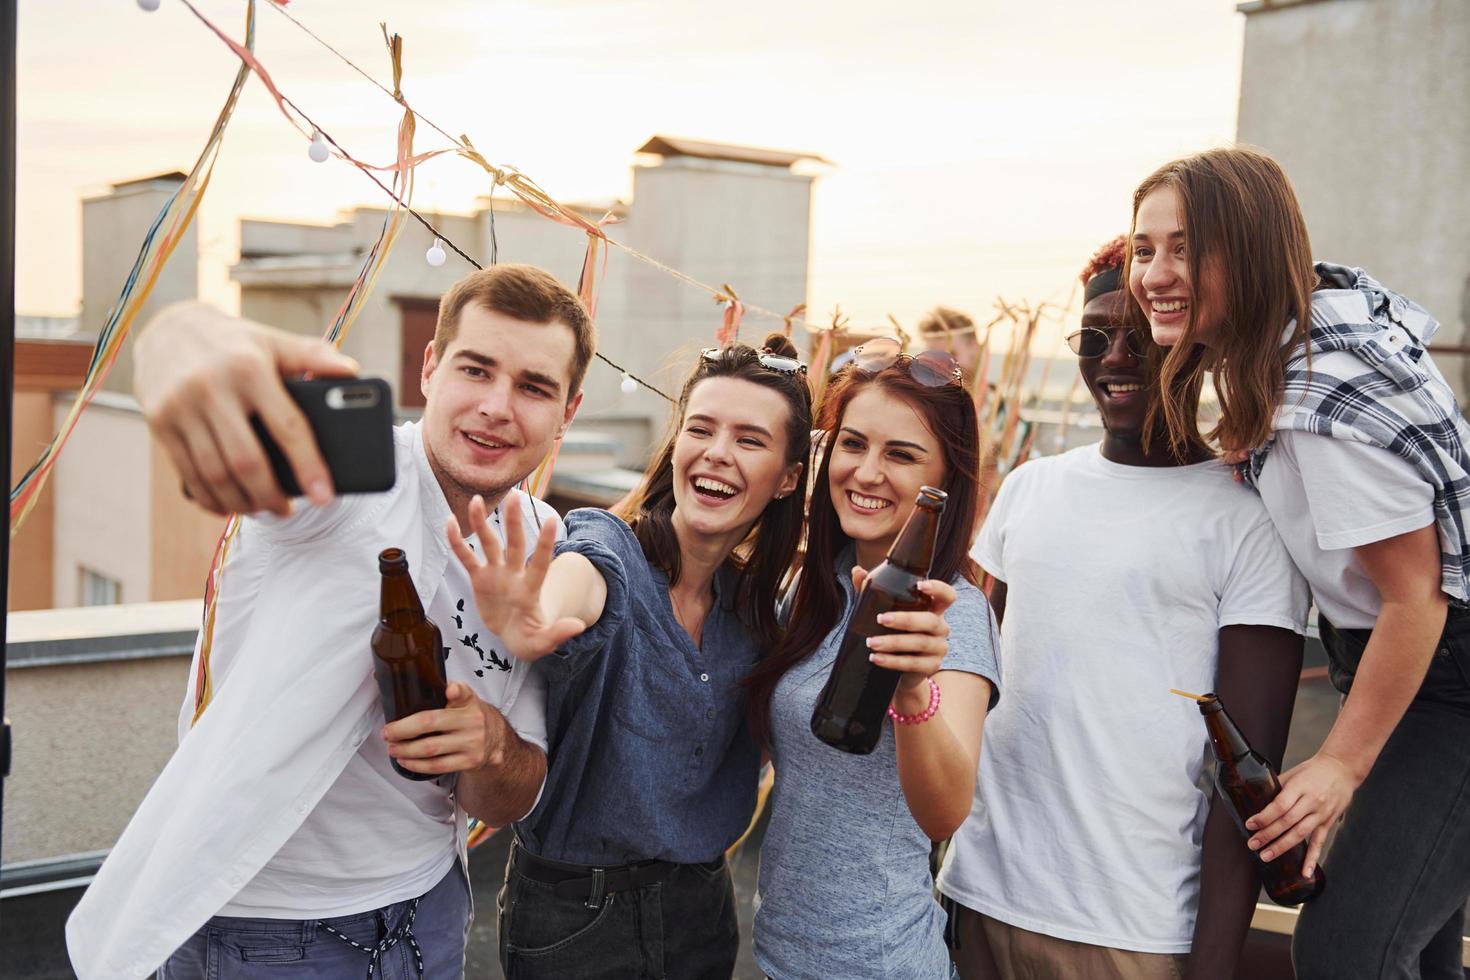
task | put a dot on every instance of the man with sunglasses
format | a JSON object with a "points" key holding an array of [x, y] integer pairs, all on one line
{"points": [[1092, 848]]}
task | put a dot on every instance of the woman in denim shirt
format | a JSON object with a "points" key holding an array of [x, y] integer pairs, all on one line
{"points": [[845, 887], [644, 630], [1357, 446]]}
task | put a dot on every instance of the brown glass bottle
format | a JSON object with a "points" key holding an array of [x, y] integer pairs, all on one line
{"points": [[850, 710], [1247, 783], [408, 651]]}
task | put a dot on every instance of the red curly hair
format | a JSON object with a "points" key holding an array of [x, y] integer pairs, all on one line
{"points": [[1110, 256]]}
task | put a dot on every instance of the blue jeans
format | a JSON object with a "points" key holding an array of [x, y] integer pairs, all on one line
{"points": [[1398, 872], [420, 938]]}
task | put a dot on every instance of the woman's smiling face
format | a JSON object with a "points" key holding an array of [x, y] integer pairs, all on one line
{"points": [[1159, 275], [883, 454]]}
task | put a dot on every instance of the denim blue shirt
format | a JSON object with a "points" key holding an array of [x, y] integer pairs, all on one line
{"points": [[650, 748]]}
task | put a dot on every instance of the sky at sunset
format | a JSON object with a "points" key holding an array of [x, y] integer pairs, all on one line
{"points": [[979, 147]]}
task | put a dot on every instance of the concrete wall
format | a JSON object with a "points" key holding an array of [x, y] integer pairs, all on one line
{"points": [[113, 227], [90, 737], [31, 569], [44, 368], [182, 537], [89, 741], [103, 500], [1366, 103], [262, 238], [720, 222], [294, 294], [112, 504], [376, 339]]}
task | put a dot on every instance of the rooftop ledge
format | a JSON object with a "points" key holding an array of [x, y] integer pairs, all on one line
{"points": [[91, 634], [1267, 6]]}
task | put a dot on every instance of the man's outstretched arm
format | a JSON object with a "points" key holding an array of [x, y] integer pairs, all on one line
{"points": [[200, 375]]}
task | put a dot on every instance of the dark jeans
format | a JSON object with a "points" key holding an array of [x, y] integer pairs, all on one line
{"points": [[420, 938], [683, 926], [1398, 872]]}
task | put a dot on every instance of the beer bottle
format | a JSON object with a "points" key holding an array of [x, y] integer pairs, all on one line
{"points": [[408, 652], [1247, 783], [854, 701]]}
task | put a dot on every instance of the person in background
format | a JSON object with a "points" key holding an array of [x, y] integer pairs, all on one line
{"points": [[1358, 448], [279, 839], [946, 329], [1121, 569], [643, 628], [845, 887]]}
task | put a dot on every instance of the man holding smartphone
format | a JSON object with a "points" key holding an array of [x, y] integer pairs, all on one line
{"points": [[279, 836]]}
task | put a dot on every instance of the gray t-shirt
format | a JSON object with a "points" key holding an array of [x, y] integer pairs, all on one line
{"points": [[844, 887]]}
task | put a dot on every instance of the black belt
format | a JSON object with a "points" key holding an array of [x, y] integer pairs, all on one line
{"points": [[587, 881]]}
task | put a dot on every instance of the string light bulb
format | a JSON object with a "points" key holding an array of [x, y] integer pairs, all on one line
{"points": [[628, 385], [318, 149], [435, 255], [148, 5]]}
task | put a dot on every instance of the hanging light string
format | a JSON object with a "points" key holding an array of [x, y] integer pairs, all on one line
{"points": [[400, 192], [521, 185], [336, 333], [501, 173], [163, 236]]}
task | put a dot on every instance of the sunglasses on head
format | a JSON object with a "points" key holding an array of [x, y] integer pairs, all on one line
{"points": [[773, 362], [1092, 342], [930, 368]]}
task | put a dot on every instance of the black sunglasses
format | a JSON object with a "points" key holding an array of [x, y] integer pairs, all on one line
{"points": [[1092, 342], [774, 362], [930, 368]]}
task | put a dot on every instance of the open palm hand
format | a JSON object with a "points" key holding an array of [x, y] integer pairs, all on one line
{"points": [[508, 586]]}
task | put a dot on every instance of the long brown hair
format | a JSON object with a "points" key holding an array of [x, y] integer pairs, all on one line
{"points": [[1241, 222], [766, 555], [949, 414]]}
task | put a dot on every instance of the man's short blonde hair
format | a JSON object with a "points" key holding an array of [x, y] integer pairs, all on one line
{"points": [[942, 320]]}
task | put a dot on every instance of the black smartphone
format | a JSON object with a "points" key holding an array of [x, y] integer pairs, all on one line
{"points": [[352, 419]]}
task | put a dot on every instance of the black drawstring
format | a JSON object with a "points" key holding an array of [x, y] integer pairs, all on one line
{"points": [[404, 933]]}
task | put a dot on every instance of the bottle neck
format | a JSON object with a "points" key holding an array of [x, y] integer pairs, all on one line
{"points": [[398, 597], [913, 549], [1225, 738]]}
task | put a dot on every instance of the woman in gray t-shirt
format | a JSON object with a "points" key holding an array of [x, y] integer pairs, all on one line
{"points": [[845, 888]]}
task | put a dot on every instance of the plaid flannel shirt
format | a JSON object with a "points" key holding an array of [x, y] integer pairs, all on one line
{"points": [[1370, 379]]}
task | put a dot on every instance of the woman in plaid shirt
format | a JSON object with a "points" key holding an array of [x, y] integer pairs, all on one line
{"points": [[1341, 420]]}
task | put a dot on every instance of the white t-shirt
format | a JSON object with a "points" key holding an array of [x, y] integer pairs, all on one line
{"points": [[1092, 794], [1328, 496], [280, 699], [376, 837]]}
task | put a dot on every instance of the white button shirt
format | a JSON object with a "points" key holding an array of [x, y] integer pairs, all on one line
{"points": [[294, 698]]}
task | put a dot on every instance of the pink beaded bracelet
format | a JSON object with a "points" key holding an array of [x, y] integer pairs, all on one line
{"points": [[928, 712]]}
